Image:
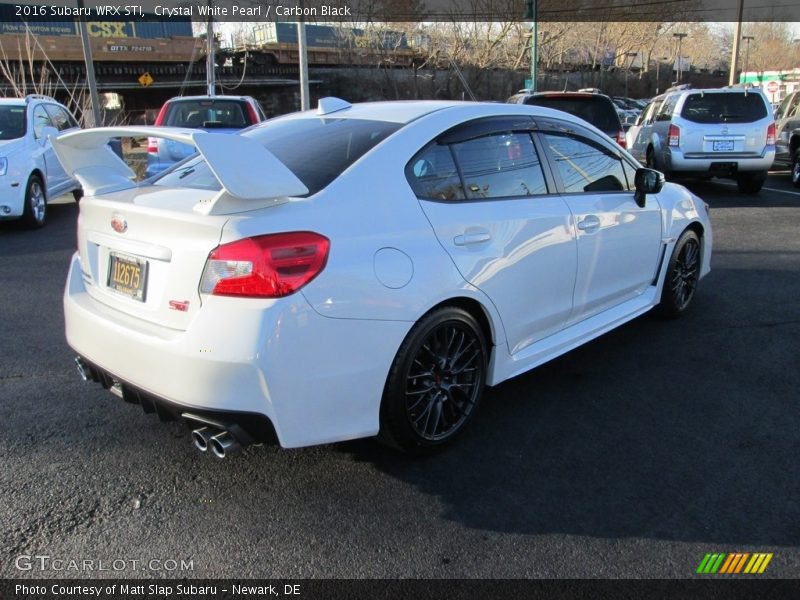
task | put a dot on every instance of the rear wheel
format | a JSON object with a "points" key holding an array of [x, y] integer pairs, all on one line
{"points": [[750, 183], [435, 383], [683, 273], [796, 168], [35, 211]]}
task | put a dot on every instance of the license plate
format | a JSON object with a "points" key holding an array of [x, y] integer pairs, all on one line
{"points": [[127, 276], [723, 146]]}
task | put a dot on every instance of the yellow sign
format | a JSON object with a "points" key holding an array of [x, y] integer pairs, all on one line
{"points": [[146, 79]]}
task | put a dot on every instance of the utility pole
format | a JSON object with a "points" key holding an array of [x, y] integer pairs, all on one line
{"points": [[747, 39], [305, 101], [680, 37], [211, 82], [530, 13], [735, 52], [97, 118]]}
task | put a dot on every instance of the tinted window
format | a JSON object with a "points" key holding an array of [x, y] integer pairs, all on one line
{"points": [[584, 167], [598, 110], [193, 174], [40, 120], [500, 165], [725, 107], [195, 114], [12, 122], [432, 174]]}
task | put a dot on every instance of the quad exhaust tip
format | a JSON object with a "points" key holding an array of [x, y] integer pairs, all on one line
{"points": [[202, 437], [83, 369], [224, 445], [221, 443]]}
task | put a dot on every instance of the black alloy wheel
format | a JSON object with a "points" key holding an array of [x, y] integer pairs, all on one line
{"points": [[436, 382]]}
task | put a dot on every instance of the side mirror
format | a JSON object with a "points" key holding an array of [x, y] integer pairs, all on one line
{"points": [[647, 181], [47, 131]]}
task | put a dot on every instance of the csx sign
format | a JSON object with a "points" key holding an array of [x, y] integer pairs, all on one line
{"points": [[111, 29]]}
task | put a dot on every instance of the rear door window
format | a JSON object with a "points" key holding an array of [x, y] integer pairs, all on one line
{"points": [[732, 107]]}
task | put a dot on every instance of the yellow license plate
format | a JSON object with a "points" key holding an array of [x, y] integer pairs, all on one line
{"points": [[127, 276]]}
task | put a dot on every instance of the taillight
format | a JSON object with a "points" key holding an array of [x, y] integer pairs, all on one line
{"points": [[251, 113], [771, 134], [162, 114], [152, 143], [266, 266], [674, 136], [621, 138]]}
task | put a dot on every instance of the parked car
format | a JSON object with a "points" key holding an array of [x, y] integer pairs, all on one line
{"points": [[222, 114], [727, 132], [787, 141], [373, 281], [30, 173], [592, 107]]}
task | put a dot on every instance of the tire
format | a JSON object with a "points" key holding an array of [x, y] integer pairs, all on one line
{"points": [[34, 214], [796, 168], [750, 183], [683, 272], [435, 383], [650, 159]]}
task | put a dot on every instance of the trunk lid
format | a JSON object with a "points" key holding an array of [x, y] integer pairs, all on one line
{"points": [[143, 251]]}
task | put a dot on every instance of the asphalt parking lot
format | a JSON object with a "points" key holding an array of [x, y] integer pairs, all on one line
{"points": [[632, 456]]}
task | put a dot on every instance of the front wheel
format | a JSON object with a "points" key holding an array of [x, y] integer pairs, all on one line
{"points": [[683, 273], [35, 211], [435, 383], [796, 168]]}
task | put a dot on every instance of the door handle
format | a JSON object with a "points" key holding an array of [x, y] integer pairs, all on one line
{"points": [[589, 223], [472, 236]]}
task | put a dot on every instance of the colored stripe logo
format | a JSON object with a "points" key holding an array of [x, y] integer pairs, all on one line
{"points": [[734, 563]]}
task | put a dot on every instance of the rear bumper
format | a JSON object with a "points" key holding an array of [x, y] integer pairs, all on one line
{"points": [[678, 162], [316, 379]]}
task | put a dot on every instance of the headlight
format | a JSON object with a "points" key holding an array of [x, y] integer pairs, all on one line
{"points": [[3, 166]]}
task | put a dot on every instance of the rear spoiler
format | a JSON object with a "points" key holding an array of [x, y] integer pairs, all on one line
{"points": [[250, 176]]}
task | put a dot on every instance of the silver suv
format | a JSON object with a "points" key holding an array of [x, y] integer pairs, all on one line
{"points": [[787, 144], [727, 132]]}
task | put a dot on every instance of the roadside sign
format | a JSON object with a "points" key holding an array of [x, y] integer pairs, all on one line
{"points": [[772, 87], [146, 79]]}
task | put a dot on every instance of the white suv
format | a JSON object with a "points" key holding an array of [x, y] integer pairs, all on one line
{"points": [[727, 132], [30, 173]]}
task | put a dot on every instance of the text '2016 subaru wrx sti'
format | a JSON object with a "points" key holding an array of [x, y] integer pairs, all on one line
{"points": [[367, 269]]}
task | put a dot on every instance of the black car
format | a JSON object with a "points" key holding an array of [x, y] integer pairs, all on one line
{"points": [[597, 109]]}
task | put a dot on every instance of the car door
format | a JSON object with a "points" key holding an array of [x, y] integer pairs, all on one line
{"points": [[638, 135], [618, 241], [491, 204], [43, 152], [56, 175]]}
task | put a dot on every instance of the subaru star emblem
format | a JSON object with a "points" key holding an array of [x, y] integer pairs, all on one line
{"points": [[119, 224]]}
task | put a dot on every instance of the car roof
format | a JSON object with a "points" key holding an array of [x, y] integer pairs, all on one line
{"points": [[216, 97]]}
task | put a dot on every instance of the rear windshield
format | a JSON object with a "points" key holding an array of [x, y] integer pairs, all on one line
{"points": [[733, 107], [315, 150], [597, 111], [12, 122], [207, 114]]}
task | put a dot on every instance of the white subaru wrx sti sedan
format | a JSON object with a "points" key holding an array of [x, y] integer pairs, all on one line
{"points": [[364, 270]]}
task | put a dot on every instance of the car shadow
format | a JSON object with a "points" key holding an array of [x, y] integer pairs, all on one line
{"points": [[667, 430], [721, 193], [15, 237]]}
